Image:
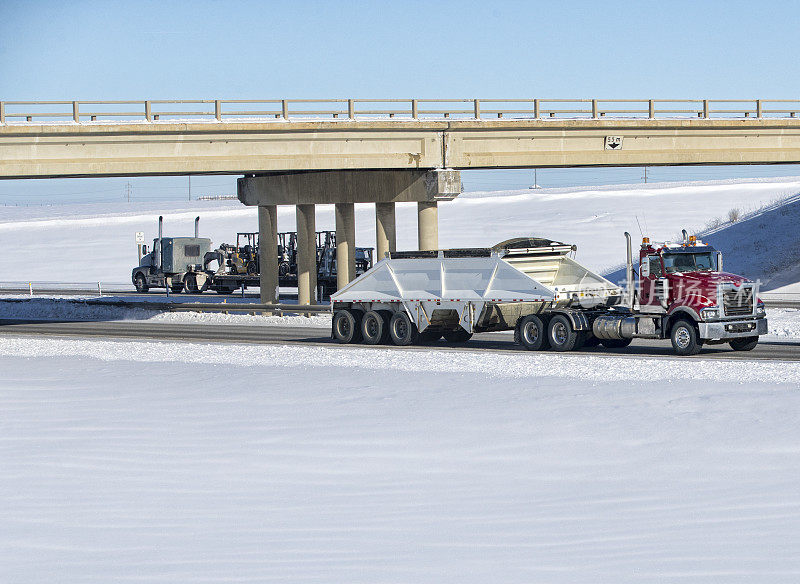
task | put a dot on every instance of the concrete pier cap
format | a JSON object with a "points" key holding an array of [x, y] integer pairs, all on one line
{"points": [[350, 186]]}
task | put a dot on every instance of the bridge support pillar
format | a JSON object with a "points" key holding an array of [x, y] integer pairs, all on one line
{"points": [[306, 254], [268, 252], [428, 225], [345, 244], [385, 230]]}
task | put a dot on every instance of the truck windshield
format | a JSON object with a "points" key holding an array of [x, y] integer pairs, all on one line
{"points": [[690, 262]]}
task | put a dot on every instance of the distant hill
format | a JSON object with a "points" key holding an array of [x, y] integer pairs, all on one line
{"points": [[763, 245]]}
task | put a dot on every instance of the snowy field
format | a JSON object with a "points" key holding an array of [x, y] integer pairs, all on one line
{"points": [[270, 463], [138, 461], [91, 243]]}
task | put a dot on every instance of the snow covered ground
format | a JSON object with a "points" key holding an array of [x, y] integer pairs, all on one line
{"points": [[169, 462], [91, 243]]}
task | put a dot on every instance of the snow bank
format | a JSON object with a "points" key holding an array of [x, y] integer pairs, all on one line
{"points": [[519, 365], [68, 308]]}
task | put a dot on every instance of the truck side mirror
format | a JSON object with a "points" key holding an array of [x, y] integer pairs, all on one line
{"points": [[719, 261], [644, 268]]}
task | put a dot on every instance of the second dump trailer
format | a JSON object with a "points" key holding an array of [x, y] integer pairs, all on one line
{"points": [[529, 285]]}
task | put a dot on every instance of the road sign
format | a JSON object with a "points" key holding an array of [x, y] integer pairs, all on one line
{"points": [[613, 142], [140, 237]]}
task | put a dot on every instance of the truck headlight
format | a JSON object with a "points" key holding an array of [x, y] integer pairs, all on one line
{"points": [[760, 310], [709, 313]]}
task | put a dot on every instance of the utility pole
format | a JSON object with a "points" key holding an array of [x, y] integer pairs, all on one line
{"points": [[645, 175], [128, 192], [190, 187]]}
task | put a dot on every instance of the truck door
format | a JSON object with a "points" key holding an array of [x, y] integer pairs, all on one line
{"points": [[650, 271]]}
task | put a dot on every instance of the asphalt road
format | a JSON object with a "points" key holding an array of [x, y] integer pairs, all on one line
{"points": [[316, 336]]}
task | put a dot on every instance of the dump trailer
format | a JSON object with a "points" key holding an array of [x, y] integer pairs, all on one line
{"points": [[423, 296], [533, 287]]}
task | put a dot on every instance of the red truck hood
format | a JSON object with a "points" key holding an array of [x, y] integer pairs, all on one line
{"points": [[703, 283]]}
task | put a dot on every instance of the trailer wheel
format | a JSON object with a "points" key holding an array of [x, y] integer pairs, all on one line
{"points": [[744, 344], [402, 330], [458, 335], [533, 333], [616, 343], [374, 328], [560, 333], [345, 327], [684, 338], [141, 283]]}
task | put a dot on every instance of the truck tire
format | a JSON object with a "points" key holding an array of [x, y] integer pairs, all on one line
{"points": [[141, 283], [744, 344], [458, 335], [346, 329], [402, 330], [374, 328], [532, 333], [684, 338], [191, 284], [560, 333], [616, 343]]}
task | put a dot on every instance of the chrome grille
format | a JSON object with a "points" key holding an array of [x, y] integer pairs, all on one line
{"points": [[739, 301]]}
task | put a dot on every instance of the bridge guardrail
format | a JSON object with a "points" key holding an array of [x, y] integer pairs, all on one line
{"points": [[219, 110]]}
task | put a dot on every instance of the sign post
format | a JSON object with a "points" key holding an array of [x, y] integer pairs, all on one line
{"points": [[139, 242]]}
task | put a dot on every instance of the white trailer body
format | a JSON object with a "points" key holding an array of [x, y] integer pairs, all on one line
{"points": [[477, 290]]}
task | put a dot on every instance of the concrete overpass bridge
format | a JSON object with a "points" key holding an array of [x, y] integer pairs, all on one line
{"points": [[308, 152]]}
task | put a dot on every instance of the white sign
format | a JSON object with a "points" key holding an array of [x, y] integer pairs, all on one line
{"points": [[140, 237], [613, 142]]}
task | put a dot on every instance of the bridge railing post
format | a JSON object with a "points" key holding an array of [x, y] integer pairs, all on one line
{"points": [[594, 109], [651, 109], [351, 109], [148, 116], [75, 114], [285, 109], [705, 109], [2, 113], [218, 110], [758, 108], [477, 108], [414, 109], [536, 108]]}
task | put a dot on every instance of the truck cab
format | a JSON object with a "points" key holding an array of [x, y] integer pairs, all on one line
{"points": [[697, 302]]}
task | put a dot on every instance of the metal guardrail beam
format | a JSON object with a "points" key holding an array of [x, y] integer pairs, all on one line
{"points": [[188, 306], [220, 110]]}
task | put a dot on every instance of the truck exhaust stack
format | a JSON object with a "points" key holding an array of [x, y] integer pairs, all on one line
{"points": [[160, 237], [629, 271], [197, 226]]}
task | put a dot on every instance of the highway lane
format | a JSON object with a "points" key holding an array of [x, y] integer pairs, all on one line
{"points": [[308, 336]]}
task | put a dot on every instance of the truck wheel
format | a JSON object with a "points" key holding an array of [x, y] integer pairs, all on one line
{"points": [[560, 333], [141, 284], [457, 336], [615, 343], [533, 333], [430, 335], [744, 344], [191, 284], [684, 338], [374, 328], [402, 330], [345, 327]]}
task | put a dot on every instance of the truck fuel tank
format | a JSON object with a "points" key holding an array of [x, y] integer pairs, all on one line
{"points": [[614, 326]]}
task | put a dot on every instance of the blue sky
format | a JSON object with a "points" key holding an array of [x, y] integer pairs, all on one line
{"points": [[204, 49]]}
